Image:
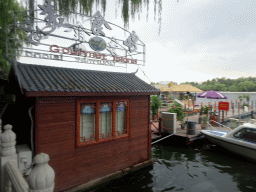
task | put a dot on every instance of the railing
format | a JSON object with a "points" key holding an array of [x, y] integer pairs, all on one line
{"points": [[15, 178], [159, 128], [41, 177], [218, 124]]}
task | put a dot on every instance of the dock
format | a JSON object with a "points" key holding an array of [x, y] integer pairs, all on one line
{"points": [[181, 135]]}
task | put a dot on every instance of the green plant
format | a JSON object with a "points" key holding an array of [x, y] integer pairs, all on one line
{"points": [[155, 103], [204, 120], [247, 97], [176, 108], [204, 110], [240, 97], [6, 98], [171, 98]]}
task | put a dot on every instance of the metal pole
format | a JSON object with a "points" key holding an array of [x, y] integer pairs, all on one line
{"points": [[233, 107], [219, 112], [222, 116], [162, 139], [239, 109]]}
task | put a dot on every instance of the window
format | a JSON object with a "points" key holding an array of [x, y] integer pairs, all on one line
{"points": [[120, 118], [247, 134], [100, 121], [105, 125], [87, 122]]}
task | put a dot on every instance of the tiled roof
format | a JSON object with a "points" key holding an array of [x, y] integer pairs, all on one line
{"points": [[46, 78]]}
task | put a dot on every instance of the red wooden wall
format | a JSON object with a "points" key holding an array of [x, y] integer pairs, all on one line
{"points": [[55, 124]]}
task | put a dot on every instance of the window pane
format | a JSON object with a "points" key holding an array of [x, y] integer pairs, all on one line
{"points": [[120, 118], [247, 134], [105, 121], [87, 122]]}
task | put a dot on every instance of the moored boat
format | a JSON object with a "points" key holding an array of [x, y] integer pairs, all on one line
{"points": [[241, 140]]}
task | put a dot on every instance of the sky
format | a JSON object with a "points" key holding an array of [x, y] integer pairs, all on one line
{"points": [[199, 40]]}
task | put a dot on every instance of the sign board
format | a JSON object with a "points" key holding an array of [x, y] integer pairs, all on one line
{"points": [[224, 106], [92, 40]]}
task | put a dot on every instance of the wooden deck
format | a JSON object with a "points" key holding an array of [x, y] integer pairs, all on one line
{"points": [[183, 133]]}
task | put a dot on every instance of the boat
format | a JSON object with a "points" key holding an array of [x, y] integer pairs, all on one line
{"points": [[241, 140]]}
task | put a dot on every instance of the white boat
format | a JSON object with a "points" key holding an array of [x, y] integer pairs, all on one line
{"points": [[241, 140]]}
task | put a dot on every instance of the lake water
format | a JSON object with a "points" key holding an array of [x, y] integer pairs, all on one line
{"points": [[202, 168], [199, 168]]}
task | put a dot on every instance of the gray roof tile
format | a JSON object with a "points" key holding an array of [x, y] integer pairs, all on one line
{"points": [[47, 78]]}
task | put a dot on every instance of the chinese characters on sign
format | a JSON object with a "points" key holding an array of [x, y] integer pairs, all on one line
{"points": [[224, 106], [112, 50]]}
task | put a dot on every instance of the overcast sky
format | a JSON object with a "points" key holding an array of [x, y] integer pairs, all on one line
{"points": [[199, 40]]}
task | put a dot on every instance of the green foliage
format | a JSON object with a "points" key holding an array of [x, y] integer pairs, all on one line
{"points": [[130, 8], [5, 98], [244, 96], [247, 97], [176, 108], [205, 109], [204, 120], [240, 97], [171, 98], [155, 103], [234, 85], [8, 7]]}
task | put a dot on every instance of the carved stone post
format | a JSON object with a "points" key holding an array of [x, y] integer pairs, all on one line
{"points": [[8, 141], [8, 186], [41, 178], [8, 152], [0, 135]]}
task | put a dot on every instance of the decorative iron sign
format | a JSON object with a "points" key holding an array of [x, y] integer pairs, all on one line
{"points": [[90, 41], [97, 44]]}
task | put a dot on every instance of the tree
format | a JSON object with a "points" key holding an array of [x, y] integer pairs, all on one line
{"points": [[8, 8], [246, 86], [232, 88], [155, 103], [130, 8]]}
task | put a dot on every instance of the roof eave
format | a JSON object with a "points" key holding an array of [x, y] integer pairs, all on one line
{"points": [[54, 93]]}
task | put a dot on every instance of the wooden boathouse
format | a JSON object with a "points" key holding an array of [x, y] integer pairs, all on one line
{"points": [[90, 123]]}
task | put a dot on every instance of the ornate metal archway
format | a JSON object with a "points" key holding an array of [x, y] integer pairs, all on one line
{"points": [[92, 40]]}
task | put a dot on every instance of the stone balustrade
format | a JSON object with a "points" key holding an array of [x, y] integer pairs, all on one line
{"points": [[41, 178]]}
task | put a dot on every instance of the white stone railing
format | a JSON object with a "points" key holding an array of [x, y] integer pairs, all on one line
{"points": [[41, 178], [14, 178]]}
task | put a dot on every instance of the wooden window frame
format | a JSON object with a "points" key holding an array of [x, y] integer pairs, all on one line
{"points": [[97, 112]]}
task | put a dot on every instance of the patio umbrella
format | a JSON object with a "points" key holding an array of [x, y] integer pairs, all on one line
{"points": [[212, 95]]}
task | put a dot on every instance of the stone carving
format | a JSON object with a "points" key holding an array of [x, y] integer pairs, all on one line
{"points": [[42, 175], [0, 134], [8, 141], [131, 42], [97, 22]]}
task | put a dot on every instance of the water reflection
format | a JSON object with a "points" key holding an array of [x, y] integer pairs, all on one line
{"points": [[242, 170], [190, 169]]}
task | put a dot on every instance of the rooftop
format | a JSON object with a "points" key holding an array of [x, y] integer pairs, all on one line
{"points": [[40, 78]]}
